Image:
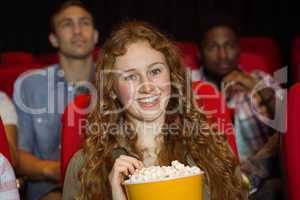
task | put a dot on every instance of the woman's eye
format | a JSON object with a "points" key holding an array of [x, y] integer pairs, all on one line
{"points": [[131, 77], [155, 71]]}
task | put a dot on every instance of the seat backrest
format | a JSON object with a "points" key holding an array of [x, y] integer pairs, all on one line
{"points": [[295, 71], [47, 59], [73, 135], [4, 148], [250, 61], [96, 54], [9, 73], [17, 58], [72, 132], [291, 144], [265, 46], [210, 100], [189, 53]]}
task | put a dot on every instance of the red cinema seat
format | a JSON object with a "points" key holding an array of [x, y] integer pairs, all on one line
{"points": [[4, 148], [72, 135], [9, 73], [17, 58], [96, 54], [252, 61], [216, 109], [189, 54], [264, 46], [47, 59], [291, 144], [296, 59]]}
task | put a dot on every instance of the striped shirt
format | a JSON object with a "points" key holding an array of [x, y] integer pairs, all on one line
{"points": [[252, 132], [8, 184]]}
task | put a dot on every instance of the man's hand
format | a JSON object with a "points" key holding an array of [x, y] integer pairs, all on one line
{"points": [[237, 77], [51, 170], [37, 169]]}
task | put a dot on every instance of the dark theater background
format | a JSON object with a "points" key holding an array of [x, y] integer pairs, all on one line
{"points": [[24, 24]]}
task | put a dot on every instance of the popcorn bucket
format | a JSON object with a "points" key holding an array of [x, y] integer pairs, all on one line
{"points": [[182, 188]]}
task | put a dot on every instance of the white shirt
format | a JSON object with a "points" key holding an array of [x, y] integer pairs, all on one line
{"points": [[7, 110], [8, 184]]}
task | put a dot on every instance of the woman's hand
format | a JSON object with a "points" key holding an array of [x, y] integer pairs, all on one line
{"points": [[123, 166]]}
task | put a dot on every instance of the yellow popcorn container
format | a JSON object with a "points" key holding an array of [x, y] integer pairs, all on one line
{"points": [[182, 188]]}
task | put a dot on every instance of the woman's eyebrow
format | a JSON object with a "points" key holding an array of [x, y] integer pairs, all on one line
{"points": [[133, 69], [129, 70], [155, 63]]}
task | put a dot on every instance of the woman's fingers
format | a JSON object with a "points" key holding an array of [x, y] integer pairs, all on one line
{"points": [[135, 162], [123, 166], [122, 169], [127, 165]]}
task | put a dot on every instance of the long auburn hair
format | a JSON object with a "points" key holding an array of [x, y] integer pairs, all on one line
{"points": [[209, 150]]}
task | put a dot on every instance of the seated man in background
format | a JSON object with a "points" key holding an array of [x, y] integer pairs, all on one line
{"points": [[41, 96], [257, 142], [9, 118]]}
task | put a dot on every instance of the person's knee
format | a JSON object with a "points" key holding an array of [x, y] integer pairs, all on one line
{"points": [[52, 196], [269, 190]]}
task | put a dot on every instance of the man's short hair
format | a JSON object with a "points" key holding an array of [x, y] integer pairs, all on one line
{"points": [[217, 19], [61, 7]]}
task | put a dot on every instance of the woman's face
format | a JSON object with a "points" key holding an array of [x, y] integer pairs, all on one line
{"points": [[143, 82]]}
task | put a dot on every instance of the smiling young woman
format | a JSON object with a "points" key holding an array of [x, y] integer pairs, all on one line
{"points": [[141, 82]]}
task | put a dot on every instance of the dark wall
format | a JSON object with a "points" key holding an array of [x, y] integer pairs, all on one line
{"points": [[25, 25]]}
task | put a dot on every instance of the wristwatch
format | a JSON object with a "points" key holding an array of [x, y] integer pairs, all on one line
{"points": [[251, 183]]}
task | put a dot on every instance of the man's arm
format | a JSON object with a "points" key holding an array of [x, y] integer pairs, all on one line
{"points": [[11, 135], [270, 148], [265, 98], [29, 165], [37, 169]]}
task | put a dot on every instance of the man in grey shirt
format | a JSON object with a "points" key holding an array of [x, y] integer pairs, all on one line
{"points": [[41, 96]]}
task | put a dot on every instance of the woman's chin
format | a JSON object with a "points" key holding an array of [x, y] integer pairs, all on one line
{"points": [[151, 116]]}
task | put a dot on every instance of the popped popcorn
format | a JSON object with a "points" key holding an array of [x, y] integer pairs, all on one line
{"points": [[157, 173]]}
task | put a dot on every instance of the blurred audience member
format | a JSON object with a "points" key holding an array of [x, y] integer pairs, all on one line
{"points": [[257, 142], [42, 95]]}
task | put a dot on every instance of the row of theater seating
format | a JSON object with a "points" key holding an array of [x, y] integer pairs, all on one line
{"points": [[265, 46], [256, 53], [27, 58]]}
